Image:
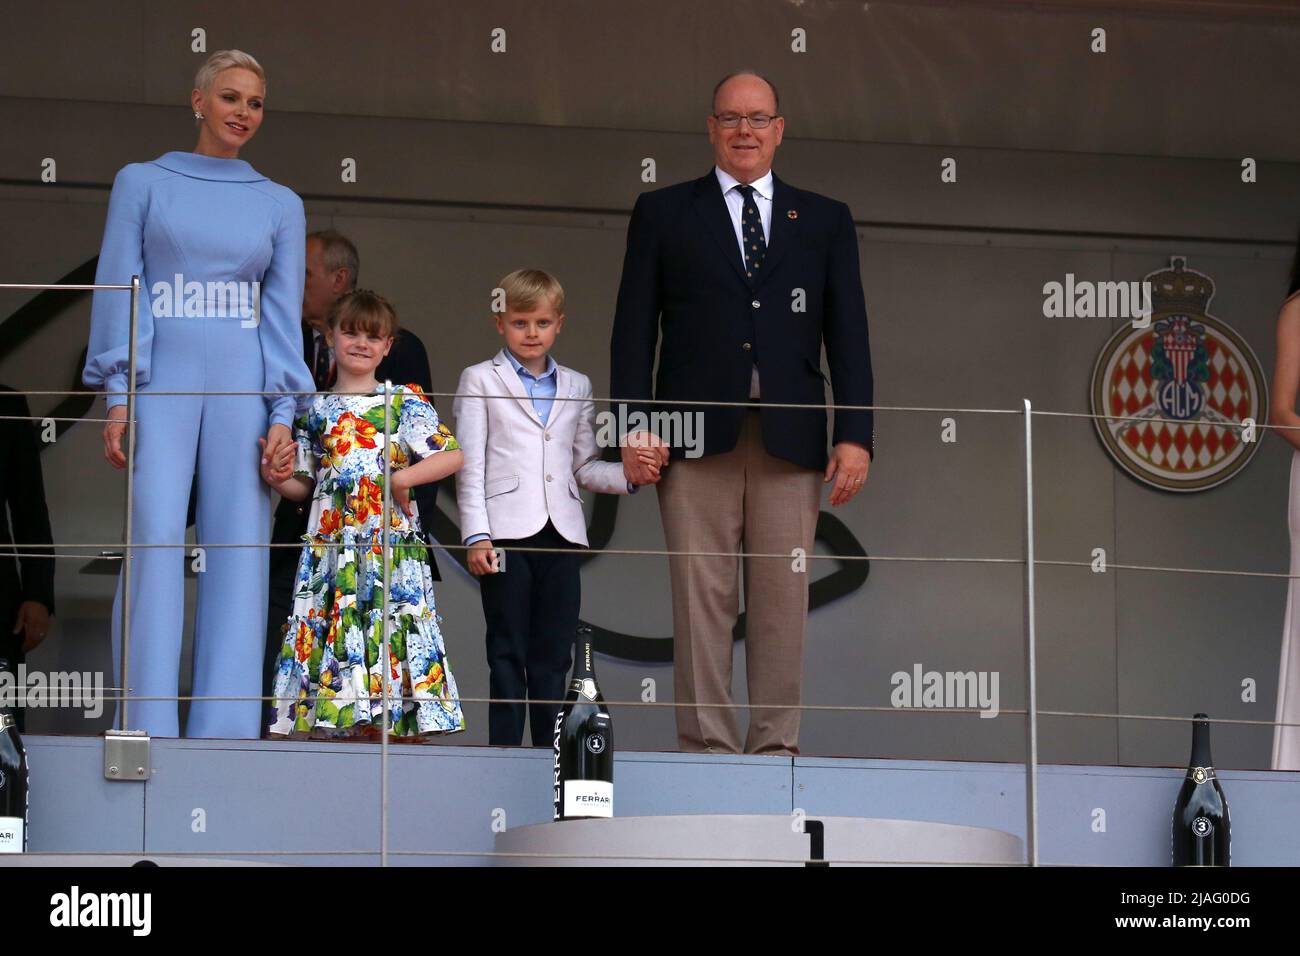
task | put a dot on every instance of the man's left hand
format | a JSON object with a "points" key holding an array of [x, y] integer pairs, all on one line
{"points": [[848, 469], [33, 623]]}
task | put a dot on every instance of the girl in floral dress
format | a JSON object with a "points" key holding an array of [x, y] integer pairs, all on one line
{"points": [[328, 679]]}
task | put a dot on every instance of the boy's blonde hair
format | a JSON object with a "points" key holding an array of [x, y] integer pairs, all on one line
{"points": [[224, 60], [364, 310], [526, 289]]}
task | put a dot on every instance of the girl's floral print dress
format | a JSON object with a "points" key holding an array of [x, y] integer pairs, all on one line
{"points": [[328, 678]]}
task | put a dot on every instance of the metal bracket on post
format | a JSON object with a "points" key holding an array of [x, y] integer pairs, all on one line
{"points": [[126, 756]]}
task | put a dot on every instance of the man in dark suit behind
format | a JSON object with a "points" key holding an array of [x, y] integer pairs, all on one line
{"points": [[26, 583], [332, 267], [739, 278]]}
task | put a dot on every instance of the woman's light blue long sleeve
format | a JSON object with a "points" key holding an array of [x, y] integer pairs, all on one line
{"points": [[280, 328], [121, 256]]}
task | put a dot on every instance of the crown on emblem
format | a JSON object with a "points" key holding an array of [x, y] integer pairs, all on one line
{"points": [[1179, 290]]}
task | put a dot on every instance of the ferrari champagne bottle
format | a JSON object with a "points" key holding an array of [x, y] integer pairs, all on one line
{"points": [[584, 745], [13, 784]]}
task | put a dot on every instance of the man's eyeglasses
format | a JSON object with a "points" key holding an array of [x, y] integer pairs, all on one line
{"points": [[755, 120]]}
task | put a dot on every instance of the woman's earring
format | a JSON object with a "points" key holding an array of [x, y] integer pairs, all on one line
{"points": [[198, 115]]}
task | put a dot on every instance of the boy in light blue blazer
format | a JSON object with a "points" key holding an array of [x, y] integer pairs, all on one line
{"points": [[526, 426]]}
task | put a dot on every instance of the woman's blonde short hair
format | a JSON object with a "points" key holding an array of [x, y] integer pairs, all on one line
{"points": [[224, 60], [526, 289]]}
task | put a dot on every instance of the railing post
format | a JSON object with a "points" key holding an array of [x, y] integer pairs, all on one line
{"points": [[123, 723], [384, 650], [1031, 664]]}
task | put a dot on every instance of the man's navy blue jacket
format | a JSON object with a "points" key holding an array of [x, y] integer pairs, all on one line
{"points": [[684, 288]]}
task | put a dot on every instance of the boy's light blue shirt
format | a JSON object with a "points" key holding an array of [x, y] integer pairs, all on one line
{"points": [[542, 392]]}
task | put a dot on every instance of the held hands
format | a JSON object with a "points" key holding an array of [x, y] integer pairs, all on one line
{"points": [[482, 559], [277, 468], [848, 468], [275, 461], [654, 459], [644, 455]]}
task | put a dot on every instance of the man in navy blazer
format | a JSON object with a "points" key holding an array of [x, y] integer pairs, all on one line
{"points": [[738, 279]]}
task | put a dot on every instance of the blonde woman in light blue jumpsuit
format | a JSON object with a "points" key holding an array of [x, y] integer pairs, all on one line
{"points": [[208, 235]]}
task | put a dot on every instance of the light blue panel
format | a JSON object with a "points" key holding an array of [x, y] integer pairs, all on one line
{"points": [[1138, 803], [650, 784], [262, 795], [448, 799], [1265, 806], [305, 797], [969, 794], [72, 807], [318, 802]]}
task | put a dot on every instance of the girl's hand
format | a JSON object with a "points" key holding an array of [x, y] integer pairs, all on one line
{"points": [[278, 468], [113, 432], [282, 466], [401, 493], [482, 559]]}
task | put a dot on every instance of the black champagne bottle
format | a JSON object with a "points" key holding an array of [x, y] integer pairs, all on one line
{"points": [[584, 745], [13, 784], [1202, 833]]}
